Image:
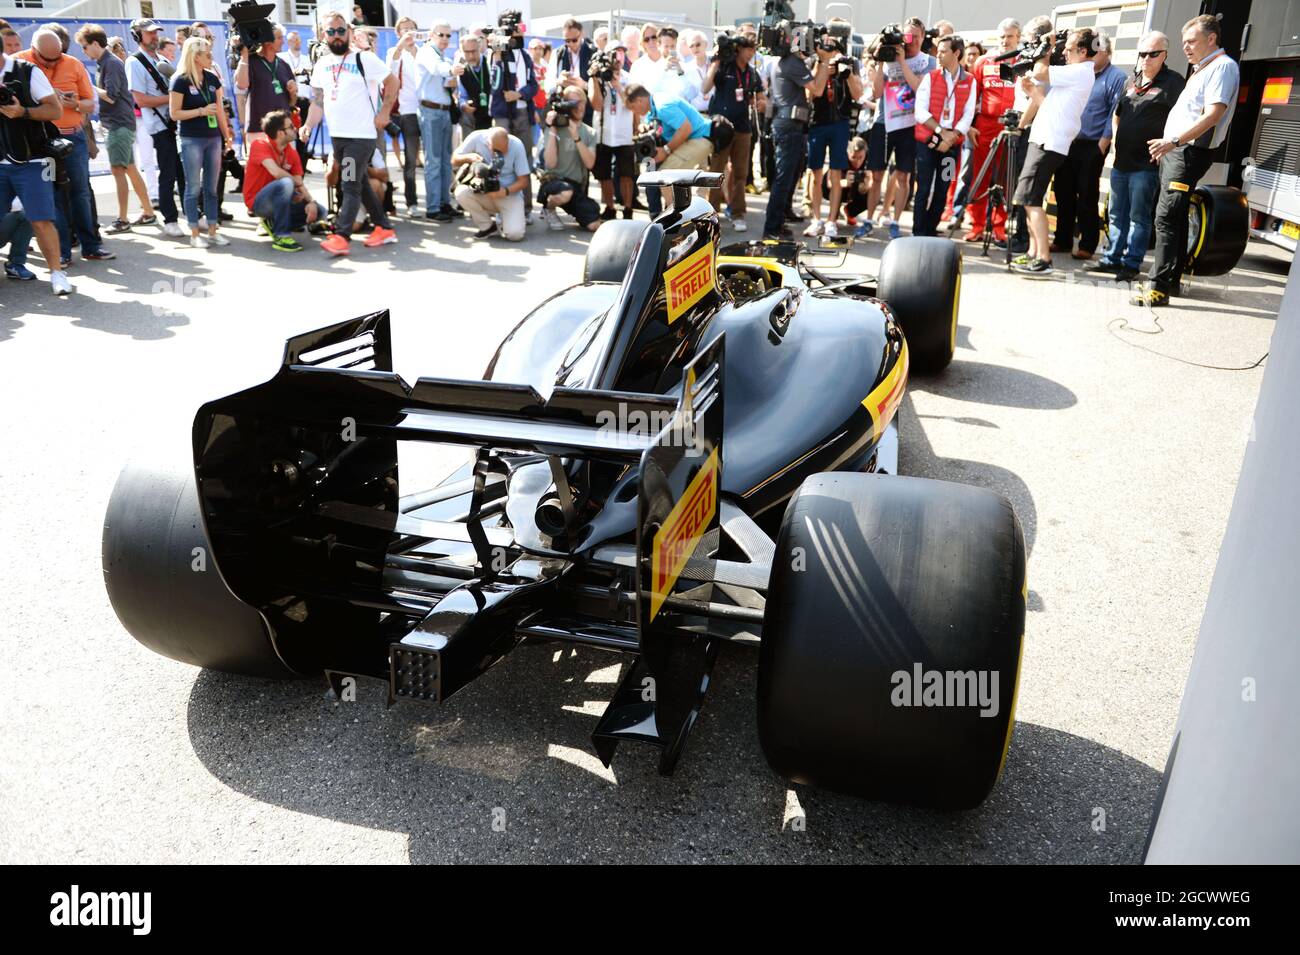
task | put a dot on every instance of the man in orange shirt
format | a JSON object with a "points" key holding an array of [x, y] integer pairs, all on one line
{"points": [[76, 95]]}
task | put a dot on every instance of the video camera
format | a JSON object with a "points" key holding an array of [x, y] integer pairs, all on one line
{"points": [[483, 178], [726, 51], [780, 34], [604, 65], [1021, 60], [250, 24], [888, 44], [508, 34]]}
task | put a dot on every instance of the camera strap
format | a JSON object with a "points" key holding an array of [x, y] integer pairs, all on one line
{"points": [[362, 70], [167, 121]]}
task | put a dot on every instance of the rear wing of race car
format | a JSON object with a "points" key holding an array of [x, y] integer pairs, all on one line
{"points": [[299, 491]]}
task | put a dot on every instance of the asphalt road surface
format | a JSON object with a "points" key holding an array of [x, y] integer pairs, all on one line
{"points": [[1119, 456]]}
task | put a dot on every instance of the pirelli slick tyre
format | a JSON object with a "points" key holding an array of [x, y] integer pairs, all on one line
{"points": [[610, 251], [163, 584], [1218, 227], [892, 639], [920, 281]]}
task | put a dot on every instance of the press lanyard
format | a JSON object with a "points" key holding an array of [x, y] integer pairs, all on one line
{"points": [[203, 93], [275, 81], [742, 84], [950, 100], [482, 73], [336, 70]]}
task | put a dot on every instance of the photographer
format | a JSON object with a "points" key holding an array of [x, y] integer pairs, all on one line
{"points": [[401, 63], [149, 75], [1077, 186], [497, 152], [438, 77], [475, 89], [270, 84], [29, 100], [274, 190], [1195, 127], [683, 132], [346, 91], [615, 155], [733, 86], [945, 108], [833, 95], [994, 96], [897, 74], [568, 155], [71, 83], [791, 82], [1057, 97], [1037, 28], [513, 86]]}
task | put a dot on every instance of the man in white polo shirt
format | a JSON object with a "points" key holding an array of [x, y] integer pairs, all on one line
{"points": [[1195, 127]]}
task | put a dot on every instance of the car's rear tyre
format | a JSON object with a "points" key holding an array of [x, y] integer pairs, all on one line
{"points": [[163, 583], [875, 576], [1218, 228], [609, 253], [920, 281]]}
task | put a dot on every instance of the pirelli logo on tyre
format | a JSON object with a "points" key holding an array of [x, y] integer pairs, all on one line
{"points": [[689, 281], [677, 538]]}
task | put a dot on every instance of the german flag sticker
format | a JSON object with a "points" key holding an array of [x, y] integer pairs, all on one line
{"points": [[677, 538], [689, 281]]}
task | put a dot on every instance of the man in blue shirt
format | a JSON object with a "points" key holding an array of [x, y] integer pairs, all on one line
{"points": [[684, 132], [1078, 180]]}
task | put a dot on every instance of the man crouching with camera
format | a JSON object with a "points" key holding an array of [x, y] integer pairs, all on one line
{"points": [[682, 133], [492, 167], [568, 154], [27, 102]]}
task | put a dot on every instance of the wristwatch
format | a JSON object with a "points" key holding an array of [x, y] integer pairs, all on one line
{"points": [[1175, 140], [668, 150]]}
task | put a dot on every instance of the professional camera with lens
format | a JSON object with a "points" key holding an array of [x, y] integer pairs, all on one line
{"points": [[780, 34], [24, 139], [508, 34], [604, 66], [8, 96], [1011, 119], [250, 24], [647, 142], [726, 51], [1021, 60], [889, 44], [564, 109], [484, 178]]}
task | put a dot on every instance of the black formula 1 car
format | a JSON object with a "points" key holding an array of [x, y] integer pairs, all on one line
{"points": [[692, 446]]}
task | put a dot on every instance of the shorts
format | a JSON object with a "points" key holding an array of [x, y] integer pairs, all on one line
{"points": [[27, 181], [877, 158], [832, 138], [121, 146], [1040, 164], [614, 162], [901, 144]]}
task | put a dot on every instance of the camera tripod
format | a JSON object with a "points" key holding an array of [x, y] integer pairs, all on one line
{"points": [[998, 193]]}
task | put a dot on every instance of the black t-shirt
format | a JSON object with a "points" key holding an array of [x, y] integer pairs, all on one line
{"points": [[834, 103], [263, 78], [788, 81], [726, 82], [197, 98], [1142, 112]]}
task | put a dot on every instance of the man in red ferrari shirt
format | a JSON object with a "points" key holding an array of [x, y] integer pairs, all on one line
{"points": [[994, 96], [273, 186]]}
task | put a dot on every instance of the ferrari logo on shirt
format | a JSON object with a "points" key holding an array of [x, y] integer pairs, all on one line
{"points": [[689, 281]]}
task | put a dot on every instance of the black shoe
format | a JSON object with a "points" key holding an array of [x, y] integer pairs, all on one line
{"points": [[1110, 268], [439, 216], [100, 255], [627, 213], [638, 204], [224, 216], [792, 216], [609, 213], [1033, 267], [453, 212], [1126, 275], [484, 233]]}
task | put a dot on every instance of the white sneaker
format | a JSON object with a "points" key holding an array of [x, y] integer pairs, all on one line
{"points": [[218, 239], [533, 217], [60, 284], [830, 231], [198, 242], [814, 228], [739, 225], [172, 229], [552, 219]]}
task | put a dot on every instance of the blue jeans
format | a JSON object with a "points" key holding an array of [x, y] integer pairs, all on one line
{"points": [[1131, 214], [275, 201], [201, 158], [73, 202], [790, 143], [435, 131], [16, 232]]}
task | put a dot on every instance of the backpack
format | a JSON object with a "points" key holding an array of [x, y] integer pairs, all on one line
{"points": [[721, 133]]}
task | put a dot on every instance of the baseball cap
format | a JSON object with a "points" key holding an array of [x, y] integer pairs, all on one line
{"points": [[145, 25]]}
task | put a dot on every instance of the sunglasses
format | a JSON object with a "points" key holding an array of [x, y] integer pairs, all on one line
{"points": [[337, 31], [448, 35], [651, 36], [1145, 53], [576, 39]]}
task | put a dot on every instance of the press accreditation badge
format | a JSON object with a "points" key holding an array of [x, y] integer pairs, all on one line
{"points": [[212, 122], [275, 85]]}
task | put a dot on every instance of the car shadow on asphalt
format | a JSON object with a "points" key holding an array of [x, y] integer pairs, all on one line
{"points": [[504, 772]]}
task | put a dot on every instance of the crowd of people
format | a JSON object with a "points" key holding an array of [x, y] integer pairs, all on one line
{"points": [[511, 134]]}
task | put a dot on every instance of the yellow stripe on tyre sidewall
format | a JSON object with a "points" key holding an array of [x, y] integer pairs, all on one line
{"points": [[956, 300]]}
